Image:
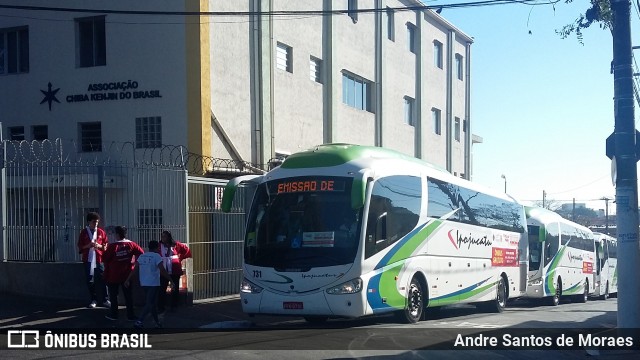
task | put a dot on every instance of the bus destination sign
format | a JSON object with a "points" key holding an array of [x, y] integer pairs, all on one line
{"points": [[306, 185]]}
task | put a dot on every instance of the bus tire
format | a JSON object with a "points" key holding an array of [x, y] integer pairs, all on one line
{"points": [[584, 297], [316, 319], [498, 304], [555, 299], [605, 296], [412, 313], [501, 296]]}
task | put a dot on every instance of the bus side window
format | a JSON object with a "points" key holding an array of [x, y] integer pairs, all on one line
{"points": [[381, 231]]}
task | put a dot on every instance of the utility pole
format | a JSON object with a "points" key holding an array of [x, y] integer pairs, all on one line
{"points": [[573, 211], [544, 199], [622, 149]]}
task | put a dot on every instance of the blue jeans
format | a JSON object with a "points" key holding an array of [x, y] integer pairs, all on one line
{"points": [[94, 279], [151, 296]]}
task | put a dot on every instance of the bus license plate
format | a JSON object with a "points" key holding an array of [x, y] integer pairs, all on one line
{"points": [[292, 305]]}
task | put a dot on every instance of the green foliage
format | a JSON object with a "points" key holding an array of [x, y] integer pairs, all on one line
{"points": [[599, 12]]}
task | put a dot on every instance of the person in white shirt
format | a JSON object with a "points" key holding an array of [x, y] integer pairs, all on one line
{"points": [[149, 268]]}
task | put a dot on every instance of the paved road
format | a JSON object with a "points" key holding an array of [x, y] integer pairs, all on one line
{"points": [[234, 335]]}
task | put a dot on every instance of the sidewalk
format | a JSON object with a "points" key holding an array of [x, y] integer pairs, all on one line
{"points": [[18, 311]]}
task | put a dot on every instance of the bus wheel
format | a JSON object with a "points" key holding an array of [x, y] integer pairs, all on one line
{"points": [[316, 319], [555, 299], [415, 304], [605, 296], [582, 298], [500, 302]]}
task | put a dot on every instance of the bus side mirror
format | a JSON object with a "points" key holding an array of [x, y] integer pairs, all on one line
{"points": [[230, 190], [381, 228]]}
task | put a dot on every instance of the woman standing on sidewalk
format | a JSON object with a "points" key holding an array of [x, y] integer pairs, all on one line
{"points": [[173, 253], [118, 260]]}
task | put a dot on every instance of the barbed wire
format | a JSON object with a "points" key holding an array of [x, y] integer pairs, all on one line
{"points": [[68, 152]]}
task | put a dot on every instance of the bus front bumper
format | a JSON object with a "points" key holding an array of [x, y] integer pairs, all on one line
{"points": [[317, 303]]}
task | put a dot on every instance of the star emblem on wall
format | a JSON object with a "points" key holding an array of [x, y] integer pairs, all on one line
{"points": [[50, 96]]}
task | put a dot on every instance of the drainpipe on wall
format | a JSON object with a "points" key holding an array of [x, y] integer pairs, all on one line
{"points": [[272, 127], [450, 38], [256, 82], [378, 75], [467, 114], [418, 85], [328, 53]]}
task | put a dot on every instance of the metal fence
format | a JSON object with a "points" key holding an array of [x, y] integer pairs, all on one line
{"points": [[47, 187], [216, 238]]}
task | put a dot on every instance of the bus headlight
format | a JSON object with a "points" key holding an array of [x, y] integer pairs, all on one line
{"points": [[349, 287], [250, 288]]}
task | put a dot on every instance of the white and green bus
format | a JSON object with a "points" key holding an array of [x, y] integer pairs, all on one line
{"points": [[346, 231], [562, 258], [607, 268]]}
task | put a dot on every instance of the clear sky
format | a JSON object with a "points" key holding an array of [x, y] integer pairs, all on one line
{"points": [[542, 104]]}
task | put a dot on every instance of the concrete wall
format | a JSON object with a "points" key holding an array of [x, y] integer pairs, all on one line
{"points": [[64, 281], [51, 280], [149, 50], [231, 77]]}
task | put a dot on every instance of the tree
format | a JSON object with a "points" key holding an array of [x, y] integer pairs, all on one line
{"points": [[549, 204], [583, 216], [599, 12]]}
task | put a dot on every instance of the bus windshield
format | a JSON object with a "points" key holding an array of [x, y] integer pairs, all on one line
{"points": [[535, 248], [302, 223]]}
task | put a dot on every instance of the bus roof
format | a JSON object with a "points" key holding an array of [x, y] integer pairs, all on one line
{"points": [[337, 154], [546, 216]]}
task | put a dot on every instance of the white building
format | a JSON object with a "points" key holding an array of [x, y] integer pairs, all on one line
{"points": [[236, 82]]}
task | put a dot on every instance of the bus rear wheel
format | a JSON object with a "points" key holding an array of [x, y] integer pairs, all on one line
{"points": [[412, 313], [605, 296], [582, 298], [555, 299], [500, 301]]}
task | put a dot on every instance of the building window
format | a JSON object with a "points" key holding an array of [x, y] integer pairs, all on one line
{"points": [[352, 10], [149, 225], [16, 133], [437, 123], [91, 44], [464, 125], [148, 132], [40, 132], [437, 54], [411, 38], [14, 51], [459, 66], [409, 111], [90, 137], [456, 129], [391, 25], [284, 57], [315, 65], [356, 92]]}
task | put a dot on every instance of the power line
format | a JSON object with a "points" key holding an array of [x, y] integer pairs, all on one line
{"points": [[579, 187], [278, 12]]}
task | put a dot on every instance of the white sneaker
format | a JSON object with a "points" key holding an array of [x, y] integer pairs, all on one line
{"points": [[107, 304], [92, 305]]}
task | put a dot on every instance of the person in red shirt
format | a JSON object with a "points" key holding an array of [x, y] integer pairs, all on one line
{"points": [[119, 260], [92, 242], [172, 253]]}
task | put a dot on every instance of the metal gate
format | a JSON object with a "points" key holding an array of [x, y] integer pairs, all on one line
{"points": [[215, 239]]}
